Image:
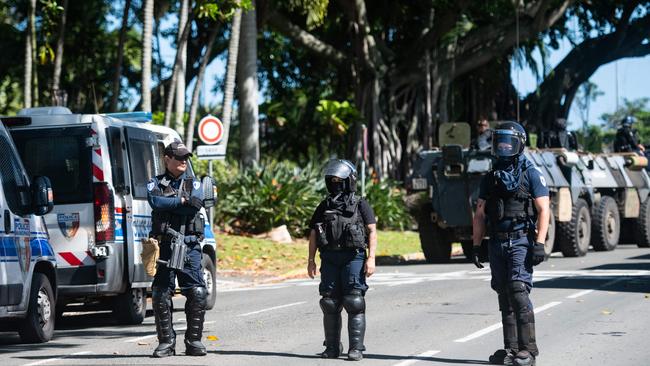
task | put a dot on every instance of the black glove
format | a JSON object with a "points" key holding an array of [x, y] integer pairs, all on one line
{"points": [[539, 255], [475, 259], [195, 202]]}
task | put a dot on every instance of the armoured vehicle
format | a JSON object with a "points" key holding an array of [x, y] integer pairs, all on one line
{"points": [[451, 176]]}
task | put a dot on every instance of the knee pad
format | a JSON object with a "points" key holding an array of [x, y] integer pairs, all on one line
{"points": [[504, 302], [519, 299], [197, 295], [354, 303], [160, 294], [330, 305]]}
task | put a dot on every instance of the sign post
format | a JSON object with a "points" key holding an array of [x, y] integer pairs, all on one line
{"points": [[211, 132]]}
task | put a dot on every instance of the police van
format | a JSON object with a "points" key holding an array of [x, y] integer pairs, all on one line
{"points": [[27, 263], [99, 166]]}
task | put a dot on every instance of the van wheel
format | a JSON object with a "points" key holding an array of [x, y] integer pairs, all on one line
{"points": [[575, 235], [131, 307], [38, 326], [643, 225], [606, 228], [550, 236], [210, 278], [434, 240]]}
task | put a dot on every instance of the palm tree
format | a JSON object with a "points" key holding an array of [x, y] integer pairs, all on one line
{"points": [[197, 88], [180, 86], [231, 72], [117, 76], [146, 55], [248, 86], [29, 56], [58, 58], [172, 85]]}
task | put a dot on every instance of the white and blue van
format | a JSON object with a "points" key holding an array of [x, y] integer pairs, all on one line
{"points": [[27, 262]]}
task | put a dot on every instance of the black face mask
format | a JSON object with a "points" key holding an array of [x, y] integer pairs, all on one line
{"points": [[334, 188]]}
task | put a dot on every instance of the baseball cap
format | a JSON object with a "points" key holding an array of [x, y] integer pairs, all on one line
{"points": [[177, 149]]}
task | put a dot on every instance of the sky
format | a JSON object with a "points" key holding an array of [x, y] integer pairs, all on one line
{"points": [[632, 74]]}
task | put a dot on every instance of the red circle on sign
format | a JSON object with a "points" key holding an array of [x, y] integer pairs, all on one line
{"points": [[210, 130]]}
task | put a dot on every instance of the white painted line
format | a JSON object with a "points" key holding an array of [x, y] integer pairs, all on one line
{"points": [[496, 326], [578, 294], [41, 362], [135, 340], [273, 308], [417, 358]]}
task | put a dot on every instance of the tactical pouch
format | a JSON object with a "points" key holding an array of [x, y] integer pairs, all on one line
{"points": [[150, 254], [495, 209], [321, 235], [355, 236], [197, 225]]}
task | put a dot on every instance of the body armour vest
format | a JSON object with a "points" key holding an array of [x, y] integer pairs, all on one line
{"points": [[161, 220], [516, 206], [342, 226]]}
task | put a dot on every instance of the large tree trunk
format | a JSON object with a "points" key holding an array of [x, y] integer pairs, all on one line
{"points": [[248, 89], [58, 58], [146, 55], [180, 82], [189, 141], [172, 85], [32, 26], [27, 82], [231, 72], [117, 76]]}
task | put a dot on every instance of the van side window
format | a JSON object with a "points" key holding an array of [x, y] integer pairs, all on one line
{"points": [[143, 158], [14, 182]]}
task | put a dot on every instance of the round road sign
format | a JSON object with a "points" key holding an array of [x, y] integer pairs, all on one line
{"points": [[210, 130]]}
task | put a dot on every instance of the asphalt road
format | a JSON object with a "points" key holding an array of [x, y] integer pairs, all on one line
{"points": [[590, 310]]}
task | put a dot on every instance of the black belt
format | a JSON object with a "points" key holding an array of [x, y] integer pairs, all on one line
{"points": [[509, 235]]}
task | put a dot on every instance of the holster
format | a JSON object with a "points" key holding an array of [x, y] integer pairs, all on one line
{"points": [[178, 249]]}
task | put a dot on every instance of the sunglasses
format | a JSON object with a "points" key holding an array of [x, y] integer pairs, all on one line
{"points": [[336, 180], [180, 158]]}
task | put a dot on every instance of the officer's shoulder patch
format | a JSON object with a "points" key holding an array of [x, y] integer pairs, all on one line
{"points": [[197, 184], [538, 169], [542, 180], [151, 185]]}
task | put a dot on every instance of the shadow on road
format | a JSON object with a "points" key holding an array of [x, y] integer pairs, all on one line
{"points": [[644, 256], [370, 356], [264, 354], [639, 284]]}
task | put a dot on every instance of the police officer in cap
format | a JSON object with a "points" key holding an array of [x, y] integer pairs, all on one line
{"points": [[513, 209], [627, 138], [343, 228], [558, 137], [176, 200]]}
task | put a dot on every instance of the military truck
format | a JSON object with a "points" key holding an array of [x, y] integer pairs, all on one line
{"points": [[451, 176]]}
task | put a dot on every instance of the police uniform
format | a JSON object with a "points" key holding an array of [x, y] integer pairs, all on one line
{"points": [[626, 140], [509, 192], [340, 223], [165, 195], [558, 137]]}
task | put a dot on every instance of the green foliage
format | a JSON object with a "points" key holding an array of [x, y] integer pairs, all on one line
{"points": [[387, 200], [339, 115], [315, 10]]}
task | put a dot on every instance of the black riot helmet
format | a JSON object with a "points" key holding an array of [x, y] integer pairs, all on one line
{"points": [[508, 140], [340, 176], [560, 124], [628, 121]]}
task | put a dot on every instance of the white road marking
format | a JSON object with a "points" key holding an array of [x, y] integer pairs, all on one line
{"points": [[273, 308], [138, 339], [41, 362], [578, 294], [417, 358], [496, 326]]}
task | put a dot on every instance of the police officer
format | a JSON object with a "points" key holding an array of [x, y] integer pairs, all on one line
{"points": [[175, 198], [558, 137], [627, 138], [483, 141], [512, 198], [342, 228]]}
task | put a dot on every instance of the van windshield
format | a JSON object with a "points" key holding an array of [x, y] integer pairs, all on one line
{"points": [[60, 154]]}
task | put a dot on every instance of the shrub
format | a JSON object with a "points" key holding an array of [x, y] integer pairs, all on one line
{"points": [[387, 200]]}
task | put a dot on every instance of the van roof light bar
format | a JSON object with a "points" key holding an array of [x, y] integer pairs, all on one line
{"points": [[131, 116]]}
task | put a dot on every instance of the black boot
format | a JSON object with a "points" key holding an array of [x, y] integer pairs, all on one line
{"points": [[525, 325], [355, 305], [510, 342], [332, 326], [195, 313], [524, 358], [162, 311]]}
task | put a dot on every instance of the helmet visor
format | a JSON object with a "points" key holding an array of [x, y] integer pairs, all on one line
{"points": [[506, 143]]}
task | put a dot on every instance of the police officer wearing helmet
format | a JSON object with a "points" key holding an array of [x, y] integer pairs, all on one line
{"points": [[176, 200], [627, 138], [343, 227], [513, 209]]}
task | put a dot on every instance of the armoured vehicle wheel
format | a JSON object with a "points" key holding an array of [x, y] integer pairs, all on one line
{"points": [[131, 306], [550, 236], [606, 225], [575, 235], [210, 280], [38, 326], [642, 232], [434, 240]]}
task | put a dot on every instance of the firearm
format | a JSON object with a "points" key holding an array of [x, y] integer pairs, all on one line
{"points": [[177, 259]]}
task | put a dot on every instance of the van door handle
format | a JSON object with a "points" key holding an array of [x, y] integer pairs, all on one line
{"points": [[7, 222]]}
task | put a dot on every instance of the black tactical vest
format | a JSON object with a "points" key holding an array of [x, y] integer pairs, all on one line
{"points": [[342, 227], [161, 220], [517, 207]]}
